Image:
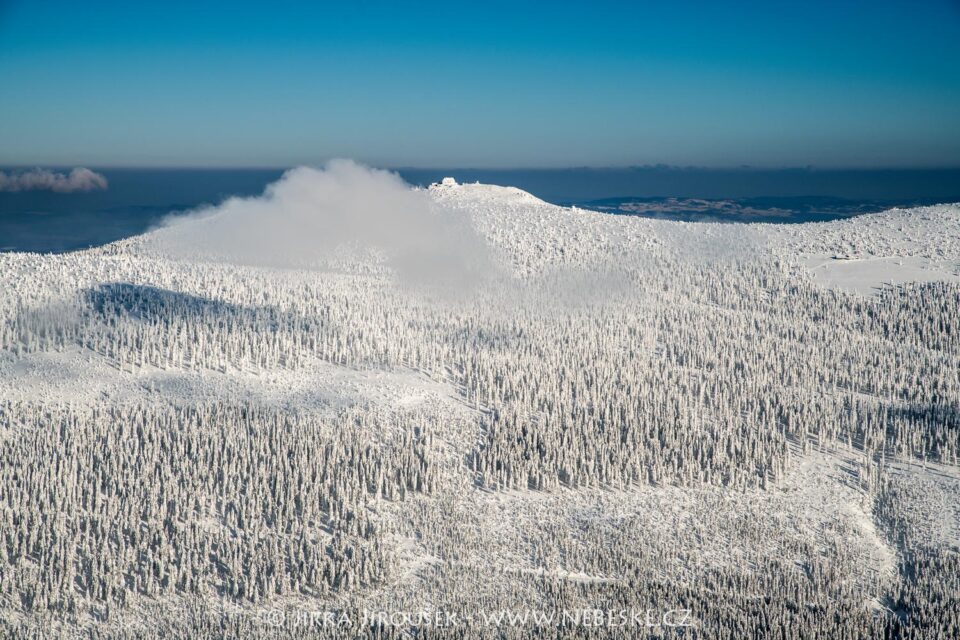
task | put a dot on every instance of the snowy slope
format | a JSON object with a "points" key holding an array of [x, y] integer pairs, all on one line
{"points": [[861, 254], [617, 412]]}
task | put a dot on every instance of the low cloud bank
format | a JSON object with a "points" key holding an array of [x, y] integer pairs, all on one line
{"points": [[79, 179], [310, 214]]}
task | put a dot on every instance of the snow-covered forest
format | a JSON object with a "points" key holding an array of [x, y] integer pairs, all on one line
{"points": [[207, 430]]}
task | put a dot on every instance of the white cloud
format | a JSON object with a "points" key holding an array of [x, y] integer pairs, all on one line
{"points": [[310, 214], [78, 179]]}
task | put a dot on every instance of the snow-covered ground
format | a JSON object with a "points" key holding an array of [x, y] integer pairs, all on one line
{"points": [[610, 412]]}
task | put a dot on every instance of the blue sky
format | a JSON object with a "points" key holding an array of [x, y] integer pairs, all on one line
{"points": [[493, 84]]}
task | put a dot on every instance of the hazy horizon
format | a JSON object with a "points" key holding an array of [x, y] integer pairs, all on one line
{"points": [[77, 208], [571, 184], [399, 168]]}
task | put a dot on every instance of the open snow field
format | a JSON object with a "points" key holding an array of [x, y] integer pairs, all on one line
{"points": [[491, 403]]}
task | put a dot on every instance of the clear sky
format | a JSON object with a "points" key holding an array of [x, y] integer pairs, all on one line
{"points": [[841, 83]]}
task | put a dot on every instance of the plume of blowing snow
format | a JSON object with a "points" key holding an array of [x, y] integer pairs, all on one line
{"points": [[311, 214], [79, 179]]}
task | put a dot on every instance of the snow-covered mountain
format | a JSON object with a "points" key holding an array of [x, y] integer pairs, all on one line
{"points": [[236, 421]]}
